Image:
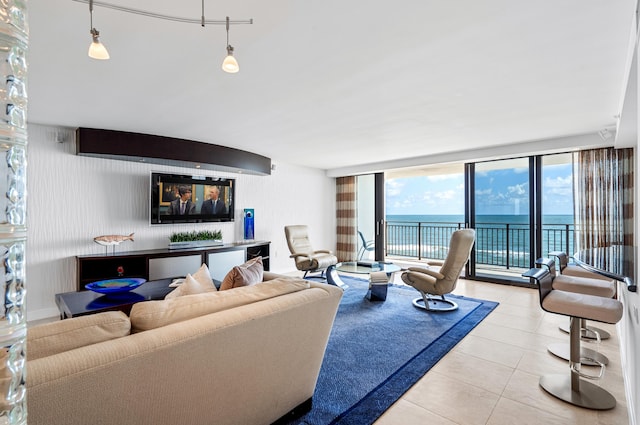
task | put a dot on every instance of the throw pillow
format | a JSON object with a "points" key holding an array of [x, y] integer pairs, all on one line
{"points": [[246, 274], [191, 286], [203, 276]]}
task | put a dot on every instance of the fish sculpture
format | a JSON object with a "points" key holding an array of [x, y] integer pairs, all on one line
{"points": [[109, 240]]}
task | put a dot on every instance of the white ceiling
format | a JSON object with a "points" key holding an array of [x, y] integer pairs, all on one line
{"points": [[333, 84]]}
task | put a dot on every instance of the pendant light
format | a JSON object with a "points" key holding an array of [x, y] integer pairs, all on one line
{"points": [[96, 49], [230, 64]]}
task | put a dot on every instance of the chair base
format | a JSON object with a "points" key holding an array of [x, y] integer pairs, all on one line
{"points": [[434, 304], [589, 395], [587, 355], [320, 276], [588, 333]]}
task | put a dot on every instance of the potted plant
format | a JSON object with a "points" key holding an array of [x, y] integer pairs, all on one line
{"points": [[195, 239]]}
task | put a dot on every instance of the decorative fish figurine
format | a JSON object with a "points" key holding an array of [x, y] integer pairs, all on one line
{"points": [[108, 240]]}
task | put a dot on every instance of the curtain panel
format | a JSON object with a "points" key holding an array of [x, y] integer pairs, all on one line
{"points": [[346, 218], [604, 197]]}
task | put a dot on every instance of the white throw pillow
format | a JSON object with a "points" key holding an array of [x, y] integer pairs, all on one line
{"points": [[203, 276], [191, 286]]}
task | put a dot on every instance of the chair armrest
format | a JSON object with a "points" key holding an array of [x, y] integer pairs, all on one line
{"points": [[413, 277], [322, 251], [429, 272], [299, 255], [435, 263]]}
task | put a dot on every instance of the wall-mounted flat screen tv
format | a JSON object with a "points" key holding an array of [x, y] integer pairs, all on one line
{"points": [[191, 199]]}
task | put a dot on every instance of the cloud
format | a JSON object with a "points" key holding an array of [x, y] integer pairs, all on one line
{"points": [[447, 195], [558, 181], [394, 187], [518, 189], [443, 177], [484, 192]]}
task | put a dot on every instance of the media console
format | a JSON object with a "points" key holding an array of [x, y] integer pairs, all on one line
{"points": [[168, 263]]}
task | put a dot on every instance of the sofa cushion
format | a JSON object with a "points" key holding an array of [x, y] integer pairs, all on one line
{"points": [[155, 314], [64, 335], [197, 283], [246, 274]]}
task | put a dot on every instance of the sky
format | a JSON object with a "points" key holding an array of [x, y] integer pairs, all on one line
{"points": [[503, 191]]}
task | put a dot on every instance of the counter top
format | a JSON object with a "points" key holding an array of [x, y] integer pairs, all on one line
{"points": [[616, 262]]}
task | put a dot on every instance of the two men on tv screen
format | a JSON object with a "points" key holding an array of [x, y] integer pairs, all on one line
{"points": [[183, 205]]}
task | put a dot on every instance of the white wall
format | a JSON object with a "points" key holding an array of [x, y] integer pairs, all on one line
{"points": [[629, 326], [72, 199]]}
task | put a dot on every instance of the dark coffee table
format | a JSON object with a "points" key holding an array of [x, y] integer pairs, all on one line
{"points": [[73, 304]]}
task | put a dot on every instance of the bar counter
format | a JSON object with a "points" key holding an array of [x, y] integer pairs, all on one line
{"points": [[616, 262]]}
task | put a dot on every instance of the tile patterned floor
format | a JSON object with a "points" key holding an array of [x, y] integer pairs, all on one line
{"points": [[491, 376]]}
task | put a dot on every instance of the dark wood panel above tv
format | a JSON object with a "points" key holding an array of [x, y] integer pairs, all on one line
{"points": [[162, 150]]}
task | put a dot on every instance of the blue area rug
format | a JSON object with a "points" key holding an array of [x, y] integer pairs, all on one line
{"points": [[378, 349]]}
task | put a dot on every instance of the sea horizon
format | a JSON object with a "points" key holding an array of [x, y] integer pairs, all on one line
{"points": [[480, 218]]}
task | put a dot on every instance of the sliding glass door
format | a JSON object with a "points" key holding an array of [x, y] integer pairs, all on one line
{"points": [[522, 209], [370, 217], [499, 209]]}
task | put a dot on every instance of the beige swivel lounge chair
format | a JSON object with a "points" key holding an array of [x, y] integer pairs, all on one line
{"points": [[307, 259], [430, 282]]}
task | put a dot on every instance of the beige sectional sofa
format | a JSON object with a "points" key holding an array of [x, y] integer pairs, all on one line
{"points": [[243, 356]]}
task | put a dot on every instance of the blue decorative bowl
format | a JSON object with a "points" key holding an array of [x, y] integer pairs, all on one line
{"points": [[115, 286]]}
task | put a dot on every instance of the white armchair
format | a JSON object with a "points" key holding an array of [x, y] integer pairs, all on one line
{"points": [[307, 259]]}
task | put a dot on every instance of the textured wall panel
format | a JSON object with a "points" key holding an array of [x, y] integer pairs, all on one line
{"points": [[72, 199]]}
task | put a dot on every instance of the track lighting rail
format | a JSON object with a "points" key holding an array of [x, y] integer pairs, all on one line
{"points": [[166, 17]]}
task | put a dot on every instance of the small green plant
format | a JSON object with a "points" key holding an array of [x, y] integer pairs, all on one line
{"points": [[204, 235]]}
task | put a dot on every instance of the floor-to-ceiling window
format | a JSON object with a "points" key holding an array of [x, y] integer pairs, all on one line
{"points": [[425, 205], [557, 196], [365, 216], [370, 206], [499, 209]]}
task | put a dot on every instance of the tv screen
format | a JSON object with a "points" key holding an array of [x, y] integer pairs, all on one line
{"points": [[190, 199]]}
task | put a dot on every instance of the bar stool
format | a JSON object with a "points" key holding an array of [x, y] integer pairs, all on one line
{"points": [[580, 285], [572, 269], [567, 269], [572, 388]]}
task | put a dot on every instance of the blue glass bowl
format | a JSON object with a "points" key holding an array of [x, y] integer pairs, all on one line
{"points": [[115, 286]]}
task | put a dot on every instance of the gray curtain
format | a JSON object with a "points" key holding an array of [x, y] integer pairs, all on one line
{"points": [[604, 197]]}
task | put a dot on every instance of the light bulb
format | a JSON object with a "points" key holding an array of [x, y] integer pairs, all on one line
{"points": [[97, 49], [230, 64]]}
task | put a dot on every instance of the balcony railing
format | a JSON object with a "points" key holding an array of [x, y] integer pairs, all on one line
{"points": [[497, 244]]}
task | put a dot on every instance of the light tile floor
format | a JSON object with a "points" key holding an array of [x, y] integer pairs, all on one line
{"points": [[491, 376]]}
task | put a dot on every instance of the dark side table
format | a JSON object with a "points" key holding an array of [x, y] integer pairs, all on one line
{"points": [[73, 304]]}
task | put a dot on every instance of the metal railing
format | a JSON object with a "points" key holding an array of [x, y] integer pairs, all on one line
{"points": [[497, 244]]}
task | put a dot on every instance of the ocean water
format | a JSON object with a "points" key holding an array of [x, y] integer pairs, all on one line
{"points": [[501, 240], [512, 219]]}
